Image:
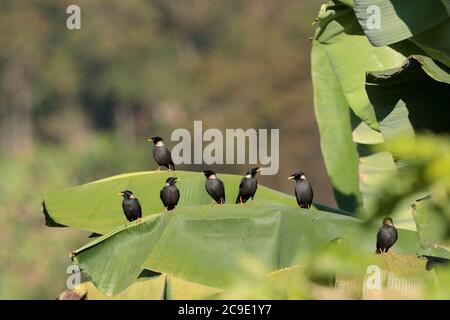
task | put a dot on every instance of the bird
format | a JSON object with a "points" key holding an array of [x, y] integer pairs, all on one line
{"points": [[248, 186], [131, 206], [303, 190], [214, 186], [387, 235], [170, 194], [161, 154]]}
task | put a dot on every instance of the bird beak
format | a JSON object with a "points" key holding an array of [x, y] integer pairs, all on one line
{"points": [[177, 179], [291, 177], [120, 194], [149, 140], [258, 170]]}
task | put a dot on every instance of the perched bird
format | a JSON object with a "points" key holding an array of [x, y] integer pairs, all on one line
{"points": [[248, 186], [214, 186], [162, 154], [131, 206], [303, 190], [387, 235], [170, 194]]}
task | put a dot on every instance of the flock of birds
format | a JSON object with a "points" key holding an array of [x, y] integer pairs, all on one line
{"points": [[170, 195]]}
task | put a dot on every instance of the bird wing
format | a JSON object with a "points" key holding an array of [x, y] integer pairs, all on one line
{"points": [[139, 208], [223, 190], [162, 155], [296, 196], [386, 238], [303, 192], [239, 193], [216, 189]]}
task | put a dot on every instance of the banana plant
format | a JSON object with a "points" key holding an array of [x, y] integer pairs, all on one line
{"points": [[375, 85], [199, 241]]}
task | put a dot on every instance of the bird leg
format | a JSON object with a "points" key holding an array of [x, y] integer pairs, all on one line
{"points": [[159, 168], [138, 220]]}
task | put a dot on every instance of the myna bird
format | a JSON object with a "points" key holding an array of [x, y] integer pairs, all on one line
{"points": [[214, 186], [248, 186], [131, 206], [303, 190], [170, 194], [387, 235], [162, 154]]}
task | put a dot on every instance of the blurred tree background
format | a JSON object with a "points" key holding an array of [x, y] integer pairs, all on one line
{"points": [[78, 105]]}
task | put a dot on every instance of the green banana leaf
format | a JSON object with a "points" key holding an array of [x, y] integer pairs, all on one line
{"points": [[204, 244], [333, 118], [424, 22], [346, 119], [96, 207], [407, 99], [383, 92], [162, 287], [351, 55], [433, 229]]}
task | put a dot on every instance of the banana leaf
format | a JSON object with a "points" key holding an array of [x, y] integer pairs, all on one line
{"points": [[425, 23], [203, 244], [162, 287], [433, 228], [384, 92], [96, 207]]}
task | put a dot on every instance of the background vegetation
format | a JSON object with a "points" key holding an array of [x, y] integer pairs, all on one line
{"points": [[76, 106], [85, 99]]}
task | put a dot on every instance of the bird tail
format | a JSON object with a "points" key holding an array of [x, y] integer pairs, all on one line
{"points": [[378, 251], [171, 166], [170, 208]]}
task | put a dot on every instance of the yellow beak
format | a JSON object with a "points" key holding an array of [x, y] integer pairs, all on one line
{"points": [[291, 177], [258, 170], [120, 194]]}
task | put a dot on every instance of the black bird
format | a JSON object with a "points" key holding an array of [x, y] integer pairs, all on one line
{"points": [[162, 154], [170, 194], [387, 235], [303, 190], [214, 186], [131, 206], [248, 186]]}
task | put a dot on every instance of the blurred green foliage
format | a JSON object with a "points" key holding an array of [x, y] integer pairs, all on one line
{"points": [[76, 106], [33, 261]]}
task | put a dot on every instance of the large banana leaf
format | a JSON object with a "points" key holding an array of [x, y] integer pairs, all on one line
{"points": [[379, 90], [424, 22], [204, 244], [162, 287], [96, 207], [433, 229], [333, 119], [346, 119]]}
